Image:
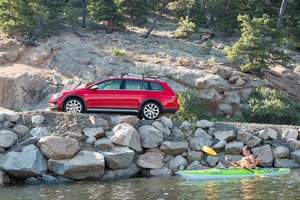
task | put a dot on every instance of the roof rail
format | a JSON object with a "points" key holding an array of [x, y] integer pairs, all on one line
{"points": [[137, 75]]}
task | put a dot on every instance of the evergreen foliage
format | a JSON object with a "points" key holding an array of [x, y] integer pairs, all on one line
{"points": [[259, 44], [136, 9], [185, 28]]}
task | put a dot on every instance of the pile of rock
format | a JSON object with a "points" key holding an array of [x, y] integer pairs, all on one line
{"points": [[48, 147]]}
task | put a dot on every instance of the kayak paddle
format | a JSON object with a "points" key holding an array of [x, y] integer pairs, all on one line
{"points": [[212, 152]]}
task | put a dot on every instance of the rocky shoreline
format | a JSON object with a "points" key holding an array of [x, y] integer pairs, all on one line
{"points": [[49, 147]]}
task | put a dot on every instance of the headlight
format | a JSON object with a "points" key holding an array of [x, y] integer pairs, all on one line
{"points": [[56, 95]]}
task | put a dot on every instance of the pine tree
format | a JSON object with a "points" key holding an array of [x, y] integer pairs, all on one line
{"points": [[135, 9]]}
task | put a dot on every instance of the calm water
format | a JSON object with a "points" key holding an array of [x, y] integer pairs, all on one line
{"points": [[283, 187]]}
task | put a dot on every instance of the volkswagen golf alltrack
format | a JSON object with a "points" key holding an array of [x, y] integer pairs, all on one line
{"points": [[146, 96]]}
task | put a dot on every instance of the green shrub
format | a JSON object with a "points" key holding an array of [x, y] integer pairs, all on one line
{"points": [[271, 106], [118, 52], [192, 107], [185, 28]]}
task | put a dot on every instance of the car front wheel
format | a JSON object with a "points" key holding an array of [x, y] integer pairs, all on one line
{"points": [[73, 105], [151, 110]]}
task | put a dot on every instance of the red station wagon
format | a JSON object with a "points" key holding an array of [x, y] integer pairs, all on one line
{"points": [[145, 96]]}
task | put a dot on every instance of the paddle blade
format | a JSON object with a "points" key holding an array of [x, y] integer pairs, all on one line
{"points": [[209, 150]]}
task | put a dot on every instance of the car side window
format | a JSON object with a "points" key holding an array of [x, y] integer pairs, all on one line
{"points": [[135, 85], [110, 85], [156, 86]]}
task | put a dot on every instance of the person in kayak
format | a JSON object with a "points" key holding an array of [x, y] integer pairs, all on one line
{"points": [[249, 161]]}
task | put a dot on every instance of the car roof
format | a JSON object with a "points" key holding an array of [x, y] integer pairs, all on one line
{"points": [[133, 78]]}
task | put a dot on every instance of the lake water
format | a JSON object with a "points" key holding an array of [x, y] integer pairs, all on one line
{"points": [[282, 187]]}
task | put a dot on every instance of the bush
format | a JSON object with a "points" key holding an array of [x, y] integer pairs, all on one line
{"points": [[271, 106], [185, 28], [192, 107]]}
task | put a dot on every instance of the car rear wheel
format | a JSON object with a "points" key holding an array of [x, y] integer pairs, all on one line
{"points": [[151, 110], [73, 105]]}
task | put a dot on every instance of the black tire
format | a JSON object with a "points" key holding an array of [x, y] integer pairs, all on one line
{"points": [[74, 105], [151, 110]]}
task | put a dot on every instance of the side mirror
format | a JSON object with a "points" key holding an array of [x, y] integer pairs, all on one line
{"points": [[94, 87]]}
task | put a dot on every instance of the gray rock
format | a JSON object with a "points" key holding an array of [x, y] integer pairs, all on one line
{"points": [[91, 140], [121, 173], [128, 119], [290, 134], [194, 156], [163, 172], [4, 179], [164, 129], [126, 135], [12, 117], [211, 81], [39, 132], [200, 133], [198, 143], [33, 181], [228, 136], [94, 132], [248, 138], [265, 156], [104, 144], [220, 166], [31, 140], [186, 126], [204, 124], [225, 108], [293, 144], [296, 156], [268, 133], [152, 159], [28, 162], [8, 125], [7, 138], [150, 136], [285, 163], [21, 130], [75, 135], [220, 145], [281, 152], [56, 147], [232, 98], [84, 165], [234, 148], [119, 157], [212, 160], [37, 120], [177, 162], [174, 148], [196, 165], [99, 122], [49, 179], [167, 122]]}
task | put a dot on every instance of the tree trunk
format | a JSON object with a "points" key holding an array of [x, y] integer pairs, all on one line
{"points": [[110, 26], [281, 13], [155, 20], [83, 13]]}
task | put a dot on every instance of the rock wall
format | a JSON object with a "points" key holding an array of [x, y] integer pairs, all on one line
{"points": [[46, 147]]}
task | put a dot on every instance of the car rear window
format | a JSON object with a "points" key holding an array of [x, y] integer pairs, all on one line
{"points": [[136, 85], [156, 86]]}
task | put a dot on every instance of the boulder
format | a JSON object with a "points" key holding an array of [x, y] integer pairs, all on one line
{"points": [[228, 136], [4, 179], [39, 132], [177, 134], [104, 144], [37, 120], [177, 163], [164, 129], [128, 119], [91, 140], [7, 138], [94, 132], [31, 140], [281, 152], [290, 134], [248, 138], [211, 81], [234, 148], [28, 162], [10, 50], [268, 133], [167, 122], [118, 158], [186, 126], [293, 144], [285, 163], [150, 136], [21, 130], [84, 165], [211, 95], [220, 145], [196, 165], [75, 135], [296, 156], [12, 117], [194, 156], [126, 135], [163, 172], [198, 143], [200, 133], [204, 124], [174, 148], [99, 122], [212, 160], [37, 55], [225, 108], [121, 173], [152, 159], [265, 155], [232, 98], [57, 148]]}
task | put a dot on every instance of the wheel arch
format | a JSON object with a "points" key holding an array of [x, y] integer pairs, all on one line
{"points": [[74, 96], [151, 100]]}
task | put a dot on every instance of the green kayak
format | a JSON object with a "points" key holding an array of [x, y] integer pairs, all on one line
{"points": [[208, 174]]}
